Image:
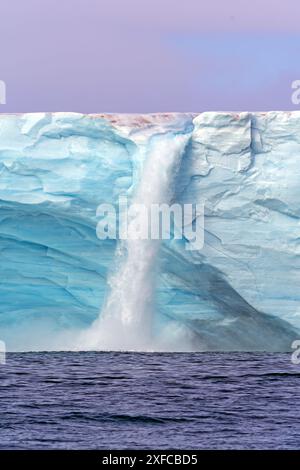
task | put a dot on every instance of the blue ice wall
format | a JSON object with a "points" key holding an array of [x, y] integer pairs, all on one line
{"points": [[240, 292]]}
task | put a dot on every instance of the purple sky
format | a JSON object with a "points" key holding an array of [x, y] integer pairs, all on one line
{"points": [[149, 55]]}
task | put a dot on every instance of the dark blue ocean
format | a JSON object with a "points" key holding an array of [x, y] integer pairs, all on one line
{"points": [[148, 401]]}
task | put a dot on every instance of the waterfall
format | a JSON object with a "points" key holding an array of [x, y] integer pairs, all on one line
{"points": [[125, 322]]}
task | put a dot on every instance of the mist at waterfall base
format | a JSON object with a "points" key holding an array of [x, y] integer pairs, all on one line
{"points": [[126, 321]]}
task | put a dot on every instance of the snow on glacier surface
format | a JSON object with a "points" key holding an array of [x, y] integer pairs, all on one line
{"points": [[240, 292]]}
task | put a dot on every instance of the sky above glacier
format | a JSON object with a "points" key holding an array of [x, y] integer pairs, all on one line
{"points": [[149, 55]]}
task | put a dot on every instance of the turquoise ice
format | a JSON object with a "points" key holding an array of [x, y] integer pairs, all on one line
{"points": [[240, 292]]}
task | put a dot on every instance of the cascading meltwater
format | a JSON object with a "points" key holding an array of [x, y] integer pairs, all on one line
{"points": [[126, 321]]}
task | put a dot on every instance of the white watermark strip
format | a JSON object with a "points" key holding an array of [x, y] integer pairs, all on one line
{"points": [[2, 352], [296, 93], [296, 354], [2, 92]]}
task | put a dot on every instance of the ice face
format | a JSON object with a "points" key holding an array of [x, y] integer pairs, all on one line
{"points": [[239, 292]]}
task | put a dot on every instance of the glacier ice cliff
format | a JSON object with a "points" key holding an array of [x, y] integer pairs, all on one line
{"points": [[240, 292]]}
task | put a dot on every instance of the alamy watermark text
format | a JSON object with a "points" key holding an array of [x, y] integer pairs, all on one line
{"points": [[152, 222]]}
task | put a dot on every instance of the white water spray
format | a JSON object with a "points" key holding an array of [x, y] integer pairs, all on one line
{"points": [[125, 322]]}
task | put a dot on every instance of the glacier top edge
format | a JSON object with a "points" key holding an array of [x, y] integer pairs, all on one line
{"points": [[154, 122], [143, 118]]}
